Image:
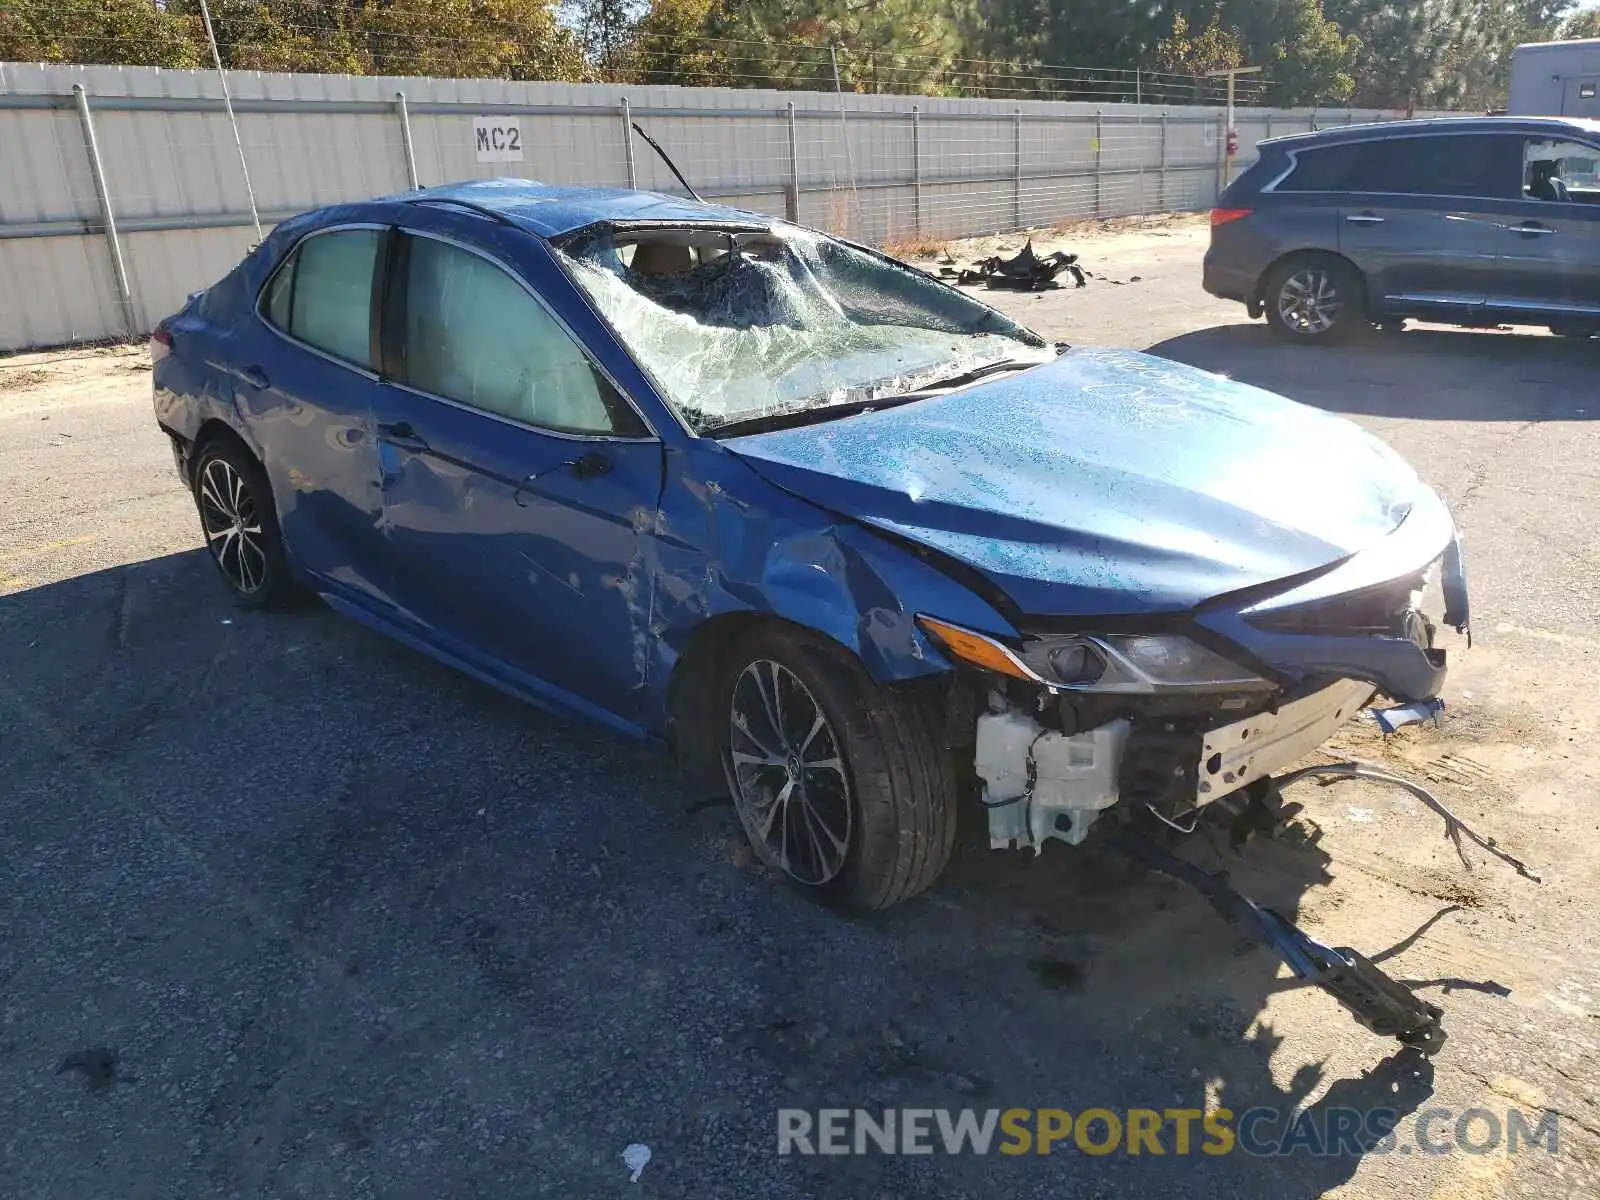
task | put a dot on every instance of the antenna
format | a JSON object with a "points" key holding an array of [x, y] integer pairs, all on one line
{"points": [[671, 166]]}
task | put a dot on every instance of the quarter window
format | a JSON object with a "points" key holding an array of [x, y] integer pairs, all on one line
{"points": [[1323, 170], [473, 334], [323, 294]]}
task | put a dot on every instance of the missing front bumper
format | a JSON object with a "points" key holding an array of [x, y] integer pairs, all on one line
{"points": [[1040, 784]]}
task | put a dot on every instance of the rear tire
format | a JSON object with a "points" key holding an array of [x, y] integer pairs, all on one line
{"points": [[1315, 300], [240, 524], [839, 783]]}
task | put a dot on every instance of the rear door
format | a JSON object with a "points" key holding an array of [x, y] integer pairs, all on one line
{"points": [[305, 380], [517, 482], [1421, 219], [1549, 262]]}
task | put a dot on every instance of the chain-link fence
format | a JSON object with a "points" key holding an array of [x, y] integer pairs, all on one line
{"points": [[127, 191]]}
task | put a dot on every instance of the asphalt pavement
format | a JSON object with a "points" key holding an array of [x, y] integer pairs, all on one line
{"points": [[289, 910]]}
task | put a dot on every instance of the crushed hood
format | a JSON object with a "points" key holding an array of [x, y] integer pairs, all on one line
{"points": [[1104, 483]]}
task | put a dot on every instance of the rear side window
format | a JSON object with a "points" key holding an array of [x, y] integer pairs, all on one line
{"points": [[323, 294], [1444, 165], [1461, 164], [473, 334]]}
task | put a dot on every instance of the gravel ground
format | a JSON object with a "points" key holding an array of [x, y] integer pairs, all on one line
{"points": [[289, 910]]}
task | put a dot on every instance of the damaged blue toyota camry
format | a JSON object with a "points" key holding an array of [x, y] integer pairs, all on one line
{"points": [[858, 547]]}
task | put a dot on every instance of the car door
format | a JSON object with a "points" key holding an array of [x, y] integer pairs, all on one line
{"points": [[305, 382], [1549, 262], [517, 483], [1421, 220]]}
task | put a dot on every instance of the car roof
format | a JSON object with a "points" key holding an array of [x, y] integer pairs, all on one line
{"points": [[551, 211], [1554, 126]]}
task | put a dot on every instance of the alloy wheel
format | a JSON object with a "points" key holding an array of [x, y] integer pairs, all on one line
{"points": [[788, 775], [1309, 301], [232, 526]]}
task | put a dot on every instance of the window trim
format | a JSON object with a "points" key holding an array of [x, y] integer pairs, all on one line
{"points": [[390, 335], [1294, 162], [291, 261]]}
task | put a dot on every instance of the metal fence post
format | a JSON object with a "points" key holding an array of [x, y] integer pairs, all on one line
{"points": [[916, 170], [1016, 169], [405, 138], [1222, 154], [1099, 135], [1161, 188], [119, 268], [627, 143], [791, 195]]}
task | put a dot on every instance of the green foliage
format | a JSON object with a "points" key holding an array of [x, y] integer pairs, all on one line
{"points": [[1386, 53], [1584, 24], [124, 32]]}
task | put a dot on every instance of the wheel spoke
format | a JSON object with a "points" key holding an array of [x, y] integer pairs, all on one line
{"points": [[817, 726], [741, 724], [814, 817], [759, 761], [209, 491]]}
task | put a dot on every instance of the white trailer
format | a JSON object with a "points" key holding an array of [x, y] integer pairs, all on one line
{"points": [[1556, 79]]}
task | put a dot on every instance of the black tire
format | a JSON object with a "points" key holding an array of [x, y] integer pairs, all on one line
{"points": [[240, 524], [899, 790], [1313, 299]]}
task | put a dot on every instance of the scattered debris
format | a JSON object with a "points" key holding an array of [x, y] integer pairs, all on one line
{"points": [[1454, 827], [1026, 272], [1391, 719], [635, 1158]]}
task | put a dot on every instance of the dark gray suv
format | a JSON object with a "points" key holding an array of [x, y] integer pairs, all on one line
{"points": [[1464, 220]]}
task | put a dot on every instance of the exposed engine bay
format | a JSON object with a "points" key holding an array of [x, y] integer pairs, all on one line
{"points": [[1040, 782]]}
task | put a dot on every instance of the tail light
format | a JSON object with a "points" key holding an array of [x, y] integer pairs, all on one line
{"points": [[160, 344], [1221, 216]]}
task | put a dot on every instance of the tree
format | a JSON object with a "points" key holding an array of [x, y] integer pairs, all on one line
{"points": [[672, 43], [1584, 24], [134, 32]]}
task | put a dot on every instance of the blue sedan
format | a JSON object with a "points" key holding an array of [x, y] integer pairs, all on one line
{"points": [[852, 543]]}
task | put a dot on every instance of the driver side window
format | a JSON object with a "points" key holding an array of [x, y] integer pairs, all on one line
{"points": [[1560, 172], [474, 335]]}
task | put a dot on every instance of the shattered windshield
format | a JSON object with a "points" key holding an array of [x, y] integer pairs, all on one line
{"points": [[735, 326]]}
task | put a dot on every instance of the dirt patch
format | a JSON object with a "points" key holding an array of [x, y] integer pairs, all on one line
{"points": [[22, 380]]}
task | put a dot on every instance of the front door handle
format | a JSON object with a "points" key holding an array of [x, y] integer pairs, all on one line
{"points": [[402, 435], [585, 467], [255, 377], [1364, 219], [1532, 229]]}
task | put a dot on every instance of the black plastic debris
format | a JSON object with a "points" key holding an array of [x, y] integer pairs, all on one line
{"points": [[1027, 272]]}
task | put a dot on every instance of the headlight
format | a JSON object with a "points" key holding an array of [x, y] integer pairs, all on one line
{"points": [[1130, 664]]}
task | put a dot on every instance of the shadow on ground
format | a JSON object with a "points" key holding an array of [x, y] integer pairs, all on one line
{"points": [[1473, 375], [329, 919]]}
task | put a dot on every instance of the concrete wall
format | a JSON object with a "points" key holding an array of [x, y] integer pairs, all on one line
{"points": [[884, 169]]}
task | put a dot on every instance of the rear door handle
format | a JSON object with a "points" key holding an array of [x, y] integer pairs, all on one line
{"points": [[1532, 230], [255, 377], [402, 435], [1364, 219]]}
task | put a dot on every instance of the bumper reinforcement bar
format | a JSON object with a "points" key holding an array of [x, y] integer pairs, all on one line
{"points": [[1378, 1002]]}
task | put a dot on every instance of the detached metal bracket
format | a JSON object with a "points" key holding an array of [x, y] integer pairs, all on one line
{"points": [[1378, 1002]]}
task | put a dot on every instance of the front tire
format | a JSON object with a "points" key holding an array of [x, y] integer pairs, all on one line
{"points": [[240, 524], [839, 783], [1312, 300]]}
